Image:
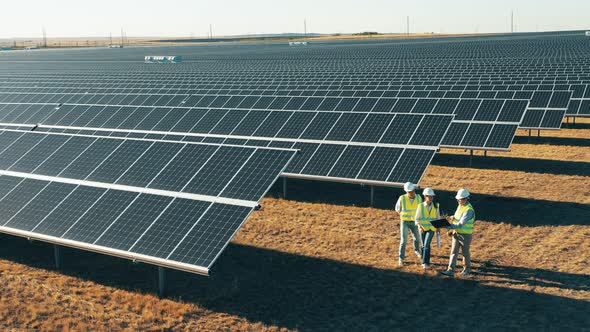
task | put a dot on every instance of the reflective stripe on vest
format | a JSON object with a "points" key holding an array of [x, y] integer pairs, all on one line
{"points": [[427, 216], [467, 228], [409, 208]]}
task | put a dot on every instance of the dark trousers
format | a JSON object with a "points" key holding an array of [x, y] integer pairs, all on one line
{"points": [[426, 241]]}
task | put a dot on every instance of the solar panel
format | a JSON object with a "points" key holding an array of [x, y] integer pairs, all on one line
{"points": [[174, 204]]}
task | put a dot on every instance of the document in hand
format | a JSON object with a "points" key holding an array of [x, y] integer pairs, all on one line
{"points": [[439, 223]]}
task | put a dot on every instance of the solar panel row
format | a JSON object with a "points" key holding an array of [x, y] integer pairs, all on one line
{"points": [[174, 204], [539, 99], [399, 135], [551, 101], [301, 125]]}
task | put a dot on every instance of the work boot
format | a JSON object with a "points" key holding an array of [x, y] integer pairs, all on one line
{"points": [[448, 273], [426, 266], [465, 272]]}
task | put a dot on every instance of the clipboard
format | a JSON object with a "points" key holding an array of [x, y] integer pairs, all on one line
{"points": [[440, 223]]}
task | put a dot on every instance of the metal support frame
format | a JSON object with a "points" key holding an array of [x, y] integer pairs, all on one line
{"points": [[539, 133], [162, 281], [470, 158], [284, 187], [485, 153], [58, 256], [372, 196]]}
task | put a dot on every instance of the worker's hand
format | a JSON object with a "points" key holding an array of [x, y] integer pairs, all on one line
{"points": [[421, 228], [450, 232]]}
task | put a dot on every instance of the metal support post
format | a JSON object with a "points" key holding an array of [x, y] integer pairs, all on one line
{"points": [[485, 153], [539, 133], [284, 188], [162, 281], [470, 158], [372, 196], [58, 256]]}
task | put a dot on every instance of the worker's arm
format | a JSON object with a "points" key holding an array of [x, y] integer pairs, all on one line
{"points": [[398, 206], [466, 216], [417, 217]]}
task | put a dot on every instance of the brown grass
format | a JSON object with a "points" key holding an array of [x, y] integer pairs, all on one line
{"points": [[319, 262]]}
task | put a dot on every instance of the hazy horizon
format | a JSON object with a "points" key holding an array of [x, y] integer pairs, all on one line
{"points": [[184, 18]]}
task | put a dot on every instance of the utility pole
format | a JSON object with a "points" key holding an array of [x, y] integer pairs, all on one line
{"points": [[408, 26], [121, 36], [305, 27], [512, 21], [111, 39], [210, 31], [44, 37]]}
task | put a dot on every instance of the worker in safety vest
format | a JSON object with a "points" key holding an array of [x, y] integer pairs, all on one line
{"points": [[427, 212], [462, 225], [406, 207]]}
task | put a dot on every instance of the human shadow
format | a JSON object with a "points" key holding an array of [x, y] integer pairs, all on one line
{"points": [[543, 166], [514, 275], [314, 294], [493, 208]]}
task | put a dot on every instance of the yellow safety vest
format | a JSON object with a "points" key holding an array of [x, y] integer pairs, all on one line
{"points": [[467, 228], [408, 208], [427, 216]]}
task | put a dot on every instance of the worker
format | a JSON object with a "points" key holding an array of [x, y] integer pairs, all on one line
{"points": [[406, 207], [427, 212], [462, 233]]}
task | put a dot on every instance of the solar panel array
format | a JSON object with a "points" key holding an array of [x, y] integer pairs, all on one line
{"points": [[163, 163]]}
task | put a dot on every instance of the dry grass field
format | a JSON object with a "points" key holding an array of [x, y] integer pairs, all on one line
{"points": [[156, 41], [323, 260]]}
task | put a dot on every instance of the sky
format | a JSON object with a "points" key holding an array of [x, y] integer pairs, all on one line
{"points": [[184, 18]]}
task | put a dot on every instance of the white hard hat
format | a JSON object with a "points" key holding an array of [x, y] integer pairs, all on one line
{"points": [[409, 186], [462, 193], [428, 192]]}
